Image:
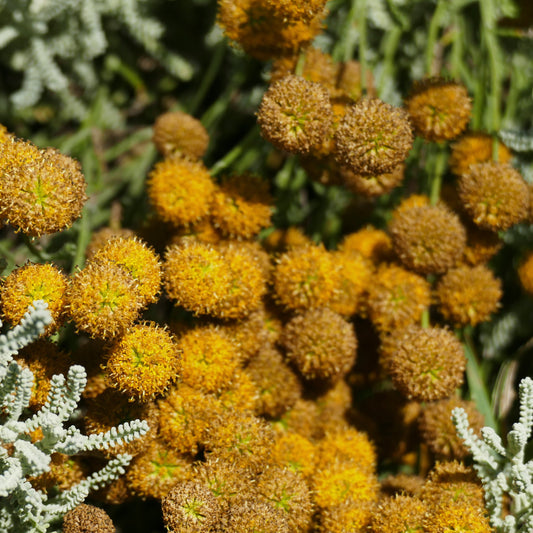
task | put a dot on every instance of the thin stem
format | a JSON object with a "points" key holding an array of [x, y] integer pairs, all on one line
{"points": [[424, 320], [345, 46], [438, 171], [300, 64], [361, 24], [432, 36], [40, 254], [235, 152], [390, 45], [84, 236]]}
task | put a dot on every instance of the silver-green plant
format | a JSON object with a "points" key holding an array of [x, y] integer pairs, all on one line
{"points": [[504, 471], [23, 508]]}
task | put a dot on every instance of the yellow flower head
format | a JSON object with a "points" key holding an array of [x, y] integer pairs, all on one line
{"points": [[42, 191], [143, 362], [439, 109], [180, 190], [241, 206], [103, 299], [295, 452], [177, 133], [458, 517], [139, 260], [525, 273], [398, 515], [34, 282], [370, 242], [306, 277], [100, 238]]}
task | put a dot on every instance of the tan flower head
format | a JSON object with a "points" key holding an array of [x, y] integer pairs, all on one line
{"points": [[295, 115]]}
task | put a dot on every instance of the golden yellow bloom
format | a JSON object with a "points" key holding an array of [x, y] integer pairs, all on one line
{"points": [[494, 195], [295, 452], [250, 515], [371, 242], [468, 295], [241, 206], [139, 260], [396, 298], [281, 240], [42, 191], [4, 134], [103, 300], [209, 359], [400, 514], [261, 30], [306, 277], [373, 137], [472, 148], [295, 10], [143, 362], [457, 517], [100, 238], [180, 190], [525, 273], [350, 516], [65, 472], [34, 282], [295, 115], [428, 364], [196, 276], [428, 239], [439, 109], [178, 133]]}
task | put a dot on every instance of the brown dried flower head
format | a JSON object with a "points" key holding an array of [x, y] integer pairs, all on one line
{"points": [[439, 109], [179, 133], [373, 185], [373, 137], [468, 295], [295, 115], [428, 363], [494, 195], [428, 239], [87, 519]]}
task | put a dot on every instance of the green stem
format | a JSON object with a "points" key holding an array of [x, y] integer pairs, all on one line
{"points": [[432, 36], [361, 24], [84, 236], [235, 152], [39, 254], [300, 64], [390, 47], [424, 320], [438, 172], [345, 46]]}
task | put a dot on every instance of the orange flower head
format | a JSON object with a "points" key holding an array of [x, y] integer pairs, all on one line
{"points": [[180, 190], [178, 133], [295, 115], [103, 300], [42, 191], [100, 238], [373, 137], [428, 240], [370, 242], [34, 282], [295, 452], [472, 148], [525, 273], [143, 362], [428, 364], [139, 260], [468, 295], [494, 195], [439, 109], [241, 206]]}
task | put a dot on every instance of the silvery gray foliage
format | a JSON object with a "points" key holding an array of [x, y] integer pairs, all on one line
{"points": [[504, 470], [22, 508], [54, 42]]}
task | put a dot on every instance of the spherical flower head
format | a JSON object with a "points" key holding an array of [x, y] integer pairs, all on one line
{"points": [[143, 362], [4, 134], [439, 433], [475, 147], [287, 491], [494, 195], [101, 237], [195, 276], [525, 273], [305, 277], [42, 191], [396, 298], [370, 242], [209, 359], [296, 10], [262, 31], [241, 206], [278, 386], [139, 260], [87, 519], [458, 517], [428, 240], [428, 364], [373, 185], [439, 109], [34, 282], [154, 472], [318, 67], [295, 452], [247, 516], [180, 190], [295, 115], [398, 515], [373, 137], [468, 295], [356, 273], [178, 133], [65, 472], [189, 507], [103, 300], [320, 343], [348, 516]]}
